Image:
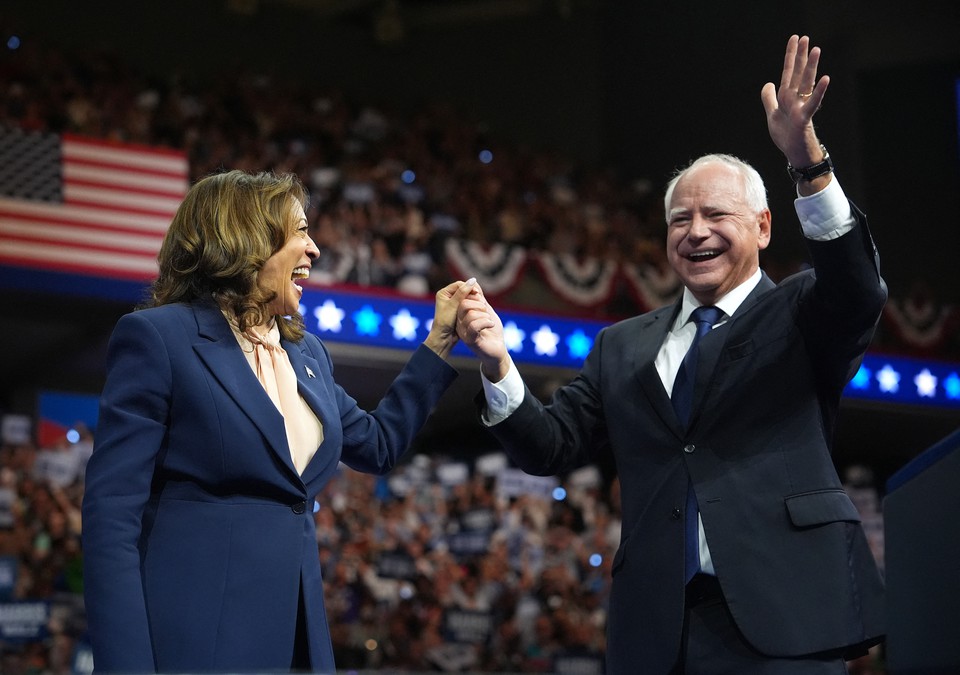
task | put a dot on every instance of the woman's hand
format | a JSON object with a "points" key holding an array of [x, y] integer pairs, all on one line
{"points": [[443, 332]]}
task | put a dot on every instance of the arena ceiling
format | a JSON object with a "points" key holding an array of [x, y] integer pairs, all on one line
{"points": [[393, 20]]}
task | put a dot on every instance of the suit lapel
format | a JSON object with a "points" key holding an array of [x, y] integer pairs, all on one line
{"points": [[712, 345], [312, 389], [652, 332], [219, 351]]}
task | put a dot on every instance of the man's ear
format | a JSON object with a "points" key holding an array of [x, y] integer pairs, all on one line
{"points": [[764, 219]]}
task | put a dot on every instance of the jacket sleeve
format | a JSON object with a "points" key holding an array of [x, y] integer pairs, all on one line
{"points": [[374, 441], [569, 432], [129, 435], [841, 314]]}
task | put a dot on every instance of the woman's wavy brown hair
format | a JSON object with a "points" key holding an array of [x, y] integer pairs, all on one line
{"points": [[223, 232]]}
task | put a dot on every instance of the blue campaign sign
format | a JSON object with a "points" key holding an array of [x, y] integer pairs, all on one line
{"points": [[24, 621]]}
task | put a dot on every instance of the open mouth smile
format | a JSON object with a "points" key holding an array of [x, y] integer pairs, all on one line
{"points": [[302, 272], [703, 256]]}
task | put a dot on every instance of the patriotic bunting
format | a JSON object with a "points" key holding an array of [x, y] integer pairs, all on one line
{"points": [[498, 267]]}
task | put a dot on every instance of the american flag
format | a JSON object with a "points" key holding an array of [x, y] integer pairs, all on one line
{"points": [[80, 205]]}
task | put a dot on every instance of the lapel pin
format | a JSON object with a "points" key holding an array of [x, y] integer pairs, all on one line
{"points": [[309, 372]]}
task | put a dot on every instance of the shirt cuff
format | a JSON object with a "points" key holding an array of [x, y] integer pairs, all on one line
{"points": [[825, 215], [503, 397]]}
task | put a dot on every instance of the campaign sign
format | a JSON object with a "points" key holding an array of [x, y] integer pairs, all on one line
{"points": [[478, 520], [15, 429], [469, 627], [514, 482], [469, 543], [396, 565], [581, 664], [56, 467], [24, 621]]}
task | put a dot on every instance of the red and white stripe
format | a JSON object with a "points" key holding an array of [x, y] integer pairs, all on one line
{"points": [[118, 200]]}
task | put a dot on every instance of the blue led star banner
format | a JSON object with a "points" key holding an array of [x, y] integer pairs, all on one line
{"points": [[399, 322], [565, 342]]}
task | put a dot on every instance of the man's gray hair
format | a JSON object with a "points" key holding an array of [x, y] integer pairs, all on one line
{"points": [[754, 191]]}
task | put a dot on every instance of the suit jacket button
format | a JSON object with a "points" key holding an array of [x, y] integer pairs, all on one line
{"points": [[299, 508], [689, 448], [676, 514]]}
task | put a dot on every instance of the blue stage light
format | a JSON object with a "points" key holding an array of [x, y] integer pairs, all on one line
{"points": [[862, 379], [367, 320], [579, 344], [951, 386]]}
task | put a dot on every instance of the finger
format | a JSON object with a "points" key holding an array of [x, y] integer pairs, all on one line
{"points": [[789, 57], [768, 96], [448, 291], [819, 91], [473, 304], [800, 65], [477, 290], [470, 317], [475, 326], [809, 77], [808, 80], [465, 289]]}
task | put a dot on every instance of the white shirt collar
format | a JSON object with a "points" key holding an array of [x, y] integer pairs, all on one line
{"points": [[728, 303]]}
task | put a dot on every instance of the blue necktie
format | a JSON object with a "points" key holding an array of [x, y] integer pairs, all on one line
{"points": [[682, 399]]}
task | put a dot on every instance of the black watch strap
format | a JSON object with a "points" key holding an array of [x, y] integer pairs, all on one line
{"points": [[808, 173]]}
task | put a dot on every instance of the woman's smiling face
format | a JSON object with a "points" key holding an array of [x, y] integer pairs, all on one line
{"points": [[292, 262]]}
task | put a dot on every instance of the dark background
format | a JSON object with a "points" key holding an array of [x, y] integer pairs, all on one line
{"points": [[640, 87]]}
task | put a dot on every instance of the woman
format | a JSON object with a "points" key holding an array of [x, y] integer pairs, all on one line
{"points": [[220, 421]]}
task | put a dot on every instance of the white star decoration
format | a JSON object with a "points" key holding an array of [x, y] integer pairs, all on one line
{"points": [[926, 383], [923, 383], [329, 316], [404, 325], [513, 336], [546, 341], [889, 379]]}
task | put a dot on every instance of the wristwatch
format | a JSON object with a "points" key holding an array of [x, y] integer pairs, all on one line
{"points": [[808, 173]]}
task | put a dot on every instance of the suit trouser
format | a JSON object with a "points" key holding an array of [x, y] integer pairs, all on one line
{"points": [[713, 645]]}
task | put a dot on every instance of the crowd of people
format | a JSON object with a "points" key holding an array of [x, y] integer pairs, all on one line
{"points": [[390, 187], [387, 181], [443, 565]]}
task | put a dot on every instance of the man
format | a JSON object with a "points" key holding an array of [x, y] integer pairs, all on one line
{"points": [[776, 575]]}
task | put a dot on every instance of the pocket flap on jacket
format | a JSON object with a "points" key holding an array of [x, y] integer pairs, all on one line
{"points": [[819, 508]]}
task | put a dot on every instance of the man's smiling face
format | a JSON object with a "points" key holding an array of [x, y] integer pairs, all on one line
{"points": [[714, 237]]}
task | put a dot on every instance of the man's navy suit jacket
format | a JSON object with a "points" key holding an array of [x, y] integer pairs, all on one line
{"points": [[786, 541]]}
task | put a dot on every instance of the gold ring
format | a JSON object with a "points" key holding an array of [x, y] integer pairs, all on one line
{"points": [[807, 95]]}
